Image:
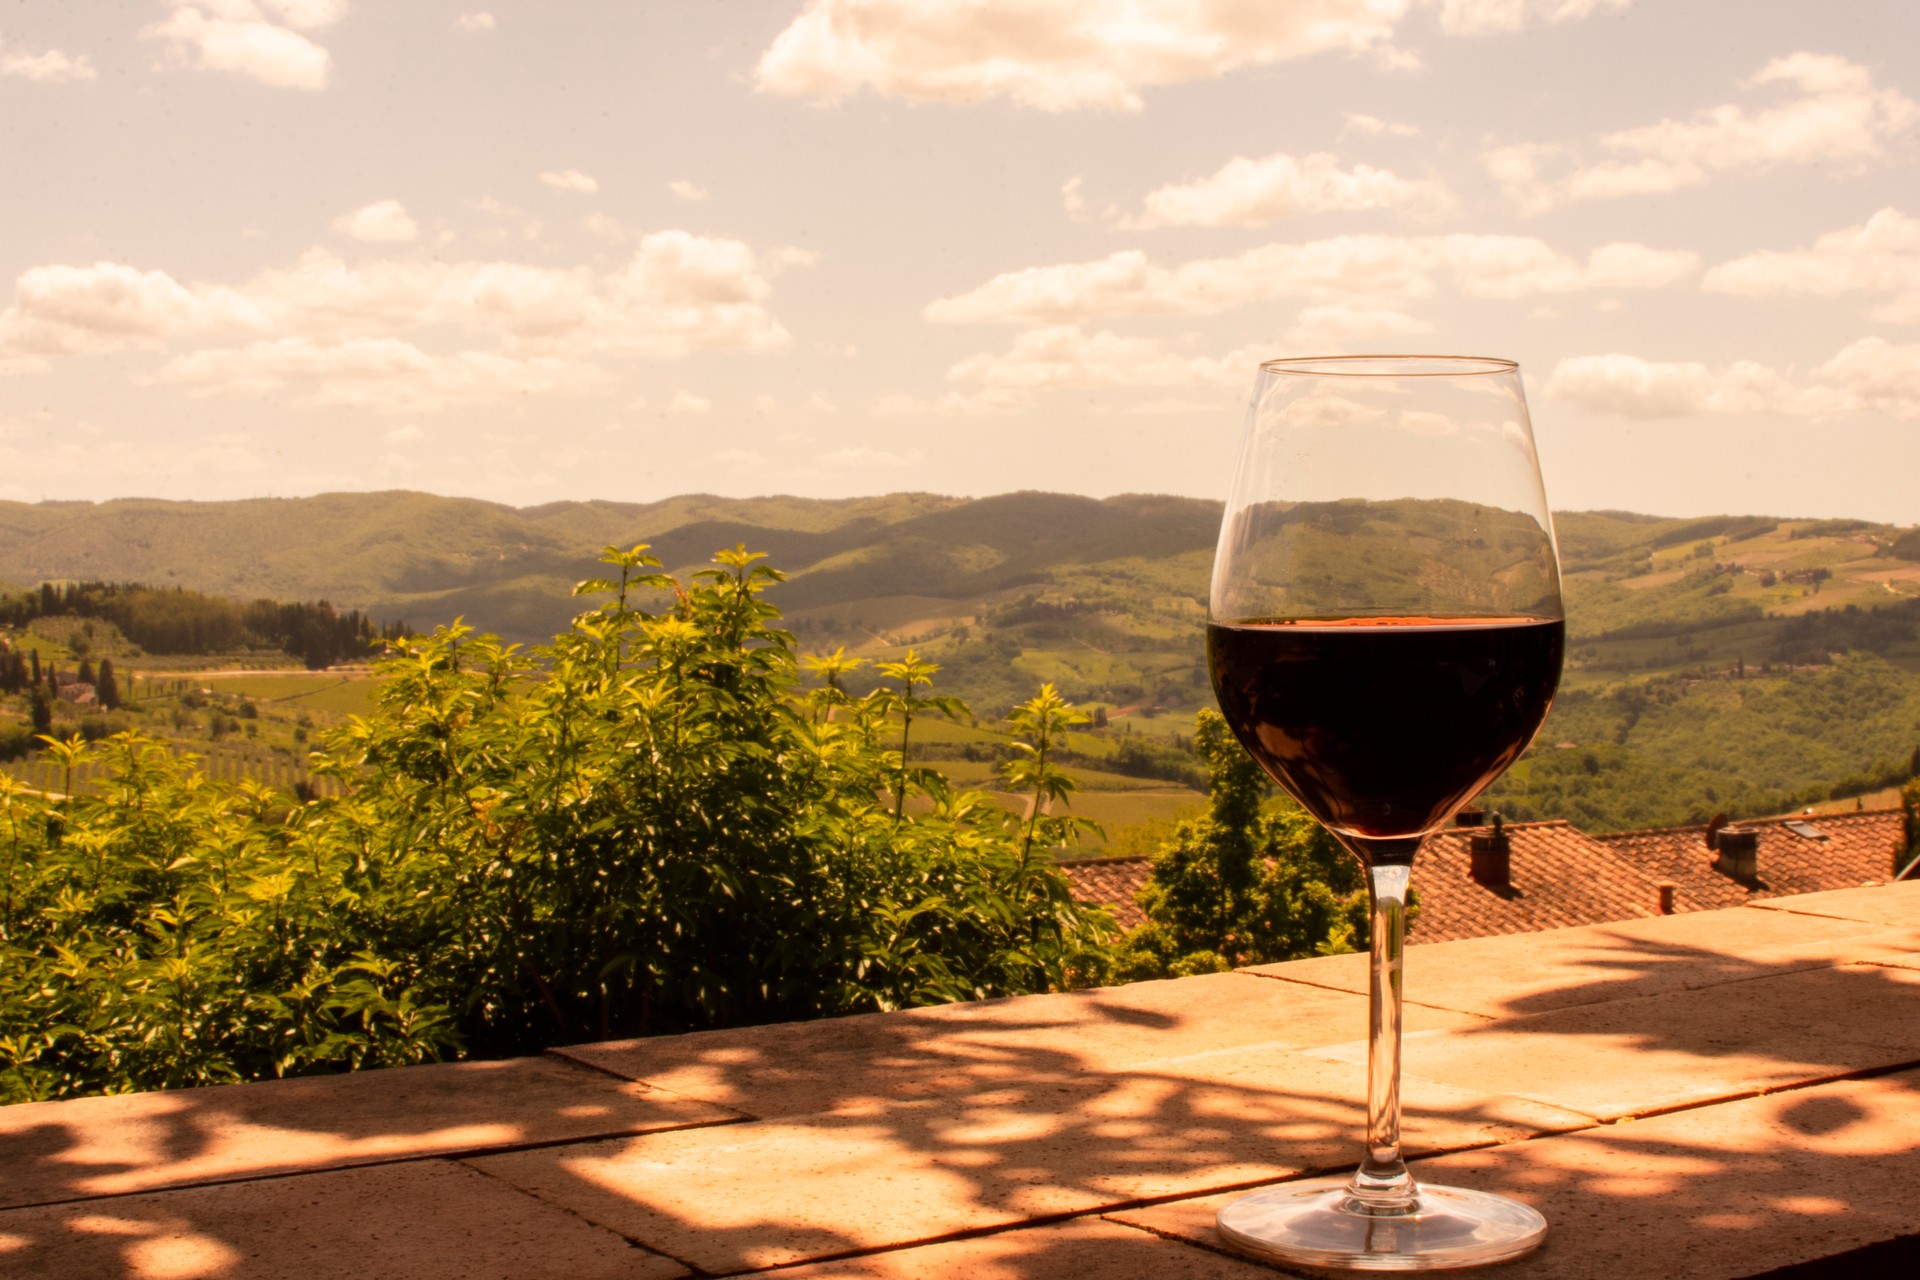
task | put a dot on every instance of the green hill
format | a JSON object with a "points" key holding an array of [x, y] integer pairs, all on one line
{"points": [[1106, 598]]}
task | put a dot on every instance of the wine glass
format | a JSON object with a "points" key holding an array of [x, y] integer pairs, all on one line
{"points": [[1385, 634]]}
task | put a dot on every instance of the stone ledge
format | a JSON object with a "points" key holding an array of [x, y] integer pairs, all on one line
{"points": [[1771, 1053]]}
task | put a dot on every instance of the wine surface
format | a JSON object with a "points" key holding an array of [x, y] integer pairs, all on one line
{"points": [[1381, 727]]}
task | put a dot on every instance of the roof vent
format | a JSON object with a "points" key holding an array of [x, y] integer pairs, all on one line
{"points": [[1737, 853], [1492, 857], [1666, 888]]}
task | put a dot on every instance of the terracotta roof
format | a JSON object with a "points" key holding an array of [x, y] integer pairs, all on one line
{"points": [[1560, 876], [1857, 850], [1112, 883]]}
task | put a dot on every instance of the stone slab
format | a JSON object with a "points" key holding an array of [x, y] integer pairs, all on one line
{"points": [[850, 1064], [1533, 973], [1713, 1193], [1086, 1249], [53, 1151], [424, 1220], [1634, 1057], [1893, 904], [778, 1192]]}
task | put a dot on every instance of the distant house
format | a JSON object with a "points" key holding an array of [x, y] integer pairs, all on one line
{"points": [[80, 695], [1473, 883]]}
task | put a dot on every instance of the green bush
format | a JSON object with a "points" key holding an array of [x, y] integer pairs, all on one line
{"points": [[163, 931], [1255, 881], [645, 826]]}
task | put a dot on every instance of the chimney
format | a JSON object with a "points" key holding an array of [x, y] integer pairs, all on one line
{"points": [[1737, 853], [1492, 857], [1666, 897]]}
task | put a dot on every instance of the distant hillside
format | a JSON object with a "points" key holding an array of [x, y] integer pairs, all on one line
{"points": [[508, 569], [1106, 598], [422, 556]]}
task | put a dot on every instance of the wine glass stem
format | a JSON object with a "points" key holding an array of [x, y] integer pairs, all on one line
{"points": [[1382, 1183]]}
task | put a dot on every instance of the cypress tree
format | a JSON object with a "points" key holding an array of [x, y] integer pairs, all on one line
{"points": [[42, 712], [105, 687]]}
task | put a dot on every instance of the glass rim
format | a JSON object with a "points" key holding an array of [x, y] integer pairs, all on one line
{"points": [[1383, 366]]}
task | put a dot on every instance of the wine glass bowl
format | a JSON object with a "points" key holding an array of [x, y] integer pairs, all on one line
{"points": [[1385, 633]]}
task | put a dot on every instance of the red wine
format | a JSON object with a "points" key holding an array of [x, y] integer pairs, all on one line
{"points": [[1382, 727]]}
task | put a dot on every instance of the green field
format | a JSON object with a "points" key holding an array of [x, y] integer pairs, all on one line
{"points": [[319, 691]]}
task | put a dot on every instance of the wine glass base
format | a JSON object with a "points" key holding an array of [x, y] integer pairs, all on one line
{"points": [[1312, 1223]]}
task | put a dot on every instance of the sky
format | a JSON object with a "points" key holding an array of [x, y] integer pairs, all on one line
{"points": [[532, 250]]}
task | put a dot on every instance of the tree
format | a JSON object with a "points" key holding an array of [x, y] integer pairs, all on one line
{"points": [[86, 673], [1255, 881], [644, 826], [106, 688], [42, 712], [586, 835]]}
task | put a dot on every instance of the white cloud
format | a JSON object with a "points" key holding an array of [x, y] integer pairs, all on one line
{"points": [[861, 456], [986, 402], [739, 459], [381, 375], [63, 310], [304, 14], [1067, 356], [689, 403], [260, 39], [677, 292], [1252, 193], [780, 258], [686, 190], [1374, 271], [818, 403], [1327, 327], [334, 323], [1052, 55], [51, 67], [570, 180], [1063, 55], [1629, 387], [1374, 126], [384, 221], [1837, 119], [405, 435], [474, 22], [1881, 256], [604, 227], [1073, 201], [1877, 374], [1474, 17]]}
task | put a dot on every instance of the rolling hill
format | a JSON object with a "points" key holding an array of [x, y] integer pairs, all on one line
{"points": [[1685, 635]]}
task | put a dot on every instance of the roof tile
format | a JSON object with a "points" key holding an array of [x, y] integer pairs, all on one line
{"points": [[1562, 876]]}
